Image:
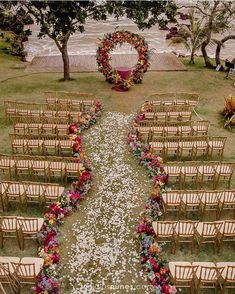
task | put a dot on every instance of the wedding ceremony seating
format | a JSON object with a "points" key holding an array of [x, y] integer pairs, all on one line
{"points": [[203, 275], [191, 232], [197, 201], [41, 128], [24, 193], [19, 228], [200, 173]]}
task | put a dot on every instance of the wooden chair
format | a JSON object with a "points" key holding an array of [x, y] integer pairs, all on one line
{"points": [[185, 129], [208, 233], [207, 173], [224, 171], [201, 127], [182, 274], [189, 173], [227, 275], [164, 232], [226, 202], [8, 229], [34, 128], [209, 201], [28, 229], [52, 193], [20, 128], [186, 146], [207, 275], [7, 166], [3, 190], [34, 146], [185, 232], [171, 145], [227, 232], [72, 171], [158, 147], [65, 147], [216, 145], [7, 273], [49, 129], [171, 201], [40, 168], [34, 192], [62, 129], [174, 172], [200, 146], [50, 146], [23, 167], [18, 145], [28, 269], [57, 169], [190, 202], [15, 194]]}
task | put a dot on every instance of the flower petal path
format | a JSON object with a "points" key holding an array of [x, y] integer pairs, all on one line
{"points": [[104, 254]]}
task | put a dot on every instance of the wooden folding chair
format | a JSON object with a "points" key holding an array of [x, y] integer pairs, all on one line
{"points": [[224, 171], [226, 202], [65, 147], [201, 127], [7, 166], [50, 146], [208, 233], [40, 168], [207, 275], [227, 276], [28, 269], [164, 232], [207, 173], [23, 167], [8, 229], [227, 232], [216, 146], [52, 193], [49, 129], [182, 274], [62, 129], [174, 172], [57, 169], [200, 146], [189, 173], [185, 232], [20, 128], [34, 192], [15, 194], [185, 129], [34, 146], [190, 202], [171, 130], [28, 229], [18, 144], [7, 274], [171, 145], [34, 128], [186, 145], [209, 201], [185, 115], [171, 201]]}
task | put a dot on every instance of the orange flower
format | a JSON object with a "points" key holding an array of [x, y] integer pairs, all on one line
{"points": [[154, 249]]}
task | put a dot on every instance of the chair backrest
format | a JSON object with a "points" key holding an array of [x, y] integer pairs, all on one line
{"points": [[211, 229], [8, 223], [229, 227], [165, 228], [186, 228], [209, 274], [24, 270], [172, 197], [28, 225], [185, 272], [230, 273]]}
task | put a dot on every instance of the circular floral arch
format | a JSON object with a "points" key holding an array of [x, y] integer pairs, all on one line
{"points": [[110, 41]]}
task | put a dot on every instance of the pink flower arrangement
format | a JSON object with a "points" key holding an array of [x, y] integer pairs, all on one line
{"points": [[48, 281], [153, 264]]}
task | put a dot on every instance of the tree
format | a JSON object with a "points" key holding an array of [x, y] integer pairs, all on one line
{"points": [[191, 36], [12, 25], [219, 45], [218, 16]]}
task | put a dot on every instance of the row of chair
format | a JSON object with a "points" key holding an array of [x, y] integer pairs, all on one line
{"points": [[199, 202], [167, 116], [24, 193], [155, 123], [14, 114], [44, 146], [185, 231], [18, 272], [164, 108], [174, 129], [190, 146], [198, 275], [200, 173], [41, 128], [48, 168], [19, 228], [69, 104]]}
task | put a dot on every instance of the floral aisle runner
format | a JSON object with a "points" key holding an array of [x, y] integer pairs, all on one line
{"points": [[104, 257]]}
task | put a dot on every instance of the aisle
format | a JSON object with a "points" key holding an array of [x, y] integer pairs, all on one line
{"points": [[105, 255]]}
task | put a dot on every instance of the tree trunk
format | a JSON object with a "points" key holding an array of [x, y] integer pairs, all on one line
{"points": [[192, 58], [205, 56], [65, 57], [219, 45]]}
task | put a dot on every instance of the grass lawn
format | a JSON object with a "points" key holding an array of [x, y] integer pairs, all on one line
{"points": [[17, 85]]}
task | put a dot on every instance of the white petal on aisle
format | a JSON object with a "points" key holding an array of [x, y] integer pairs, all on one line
{"points": [[106, 254]]}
